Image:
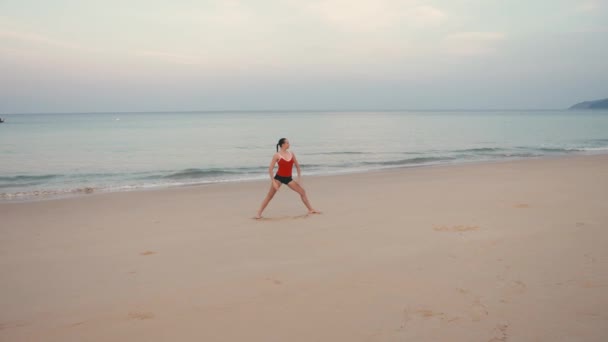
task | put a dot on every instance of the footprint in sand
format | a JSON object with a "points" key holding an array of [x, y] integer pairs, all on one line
{"points": [[140, 315], [588, 284], [590, 258], [77, 323], [18, 324], [518, 287], [459, 228], [477, 310], [500, 333], [147, 253], [512, 288], [463, 291], [521, 205], [427, 314], [275, 281], [566, 282]]}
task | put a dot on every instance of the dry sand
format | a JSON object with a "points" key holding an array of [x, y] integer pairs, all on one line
{"points": [[509, 251]]}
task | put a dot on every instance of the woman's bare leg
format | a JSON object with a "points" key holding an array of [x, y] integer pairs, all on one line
{"points": [[300, 190], [269, 196]]}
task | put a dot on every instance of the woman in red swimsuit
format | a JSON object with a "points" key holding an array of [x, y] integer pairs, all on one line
{"points": [[286, 161]]}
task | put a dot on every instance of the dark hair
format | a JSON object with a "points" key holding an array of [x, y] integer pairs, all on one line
{"points": [[280, 143]]}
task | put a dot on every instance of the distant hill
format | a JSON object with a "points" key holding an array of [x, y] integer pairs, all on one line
{"points": [[597, 104]]}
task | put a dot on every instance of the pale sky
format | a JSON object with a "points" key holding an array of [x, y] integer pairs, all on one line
{"points": [[99, 56]]}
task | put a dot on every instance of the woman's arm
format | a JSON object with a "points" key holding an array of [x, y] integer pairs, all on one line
{"points": [[295, 161], [274, 160]]}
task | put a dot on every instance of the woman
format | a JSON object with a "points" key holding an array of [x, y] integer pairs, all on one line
{"points": [[286, 161]]}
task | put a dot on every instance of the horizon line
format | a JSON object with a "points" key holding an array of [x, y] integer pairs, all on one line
{"points": [[295, 111]]}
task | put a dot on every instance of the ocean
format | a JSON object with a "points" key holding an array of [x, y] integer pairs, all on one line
{"points": [[53, 155]]}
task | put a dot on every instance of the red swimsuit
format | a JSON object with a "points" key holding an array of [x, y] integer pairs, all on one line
{"points": [[285, 167]]}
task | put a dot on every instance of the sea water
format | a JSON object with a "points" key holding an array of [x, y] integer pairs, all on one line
{"points": [[50, 155]]}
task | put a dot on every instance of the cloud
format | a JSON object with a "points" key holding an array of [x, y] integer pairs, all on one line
{"points": [[472, 43], [426, 15], [169, 57], [41, 39], [9, 50], [375, 15], [588, 6], [476, 36], [591, 29]]}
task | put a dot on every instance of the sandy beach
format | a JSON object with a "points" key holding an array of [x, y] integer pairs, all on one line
{"points": [[506, 251]]}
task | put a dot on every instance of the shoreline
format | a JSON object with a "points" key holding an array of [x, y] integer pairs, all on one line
{"points": [[84, 194]]}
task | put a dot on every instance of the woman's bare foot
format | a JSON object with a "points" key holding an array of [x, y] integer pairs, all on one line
{"points": [[258, 216], [314, 211]]}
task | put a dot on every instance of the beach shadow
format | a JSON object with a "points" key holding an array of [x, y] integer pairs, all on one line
{"points": [[282, 218], [147, 253]]}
